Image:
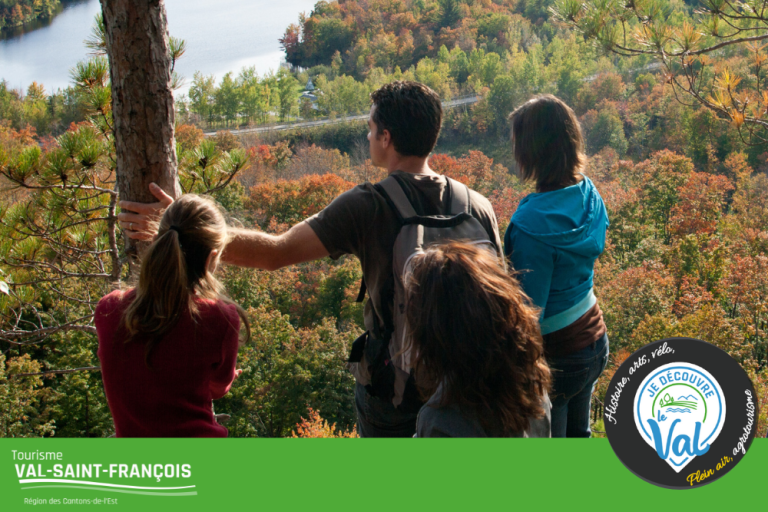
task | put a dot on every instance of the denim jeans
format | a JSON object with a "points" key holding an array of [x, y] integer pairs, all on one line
{"points": [[573, 381], [376, 418]]}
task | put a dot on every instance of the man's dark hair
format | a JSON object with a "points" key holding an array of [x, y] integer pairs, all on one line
{"points": [[412, 113], [547, 142]]}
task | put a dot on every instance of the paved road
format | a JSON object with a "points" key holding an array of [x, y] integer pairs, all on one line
{"points": [[309, 124], [446, 104]]}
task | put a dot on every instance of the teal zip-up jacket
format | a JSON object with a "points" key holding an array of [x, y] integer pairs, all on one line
{"points": [[553, 240]]}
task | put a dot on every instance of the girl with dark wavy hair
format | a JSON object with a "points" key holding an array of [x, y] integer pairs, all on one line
{"points": [[476, 347], [168, 347]]}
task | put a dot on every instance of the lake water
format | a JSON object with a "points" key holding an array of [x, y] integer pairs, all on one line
{"points": [[221, 35]]}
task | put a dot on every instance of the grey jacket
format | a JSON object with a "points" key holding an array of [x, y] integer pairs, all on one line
{"points": [[453, 421]]}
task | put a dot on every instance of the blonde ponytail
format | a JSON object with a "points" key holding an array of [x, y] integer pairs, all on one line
{"points": [[173, 272]]}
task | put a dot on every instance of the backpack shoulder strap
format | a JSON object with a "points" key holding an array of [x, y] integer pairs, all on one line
{"points": [[459, 194], [393, 191]]}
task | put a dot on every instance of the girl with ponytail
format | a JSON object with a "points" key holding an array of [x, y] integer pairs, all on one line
{"points": [[169, 346]]}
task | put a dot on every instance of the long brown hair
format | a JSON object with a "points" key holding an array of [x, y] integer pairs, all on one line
{"points": [[477, 334], [547, 142], [173, 271]]}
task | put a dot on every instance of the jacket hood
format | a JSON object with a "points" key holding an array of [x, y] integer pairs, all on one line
{"points": [[572, 219]]}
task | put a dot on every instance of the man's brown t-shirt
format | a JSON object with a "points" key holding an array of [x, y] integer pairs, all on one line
{"points": [[361, 222]]}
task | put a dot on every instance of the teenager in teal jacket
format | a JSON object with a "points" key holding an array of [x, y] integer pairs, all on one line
{"points": [[552, 241]]}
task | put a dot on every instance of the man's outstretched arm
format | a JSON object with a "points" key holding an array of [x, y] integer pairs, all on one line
{"points": [[247, 247], [252, 248]]}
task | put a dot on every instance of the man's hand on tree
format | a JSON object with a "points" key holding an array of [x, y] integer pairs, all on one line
{"points": [[139, 219]]}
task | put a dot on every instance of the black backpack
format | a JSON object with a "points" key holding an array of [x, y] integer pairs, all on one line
{"points": [[381, 360]]}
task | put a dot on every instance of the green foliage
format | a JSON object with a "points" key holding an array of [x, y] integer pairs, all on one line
{"points": [[227, 99], [686, 196], [45, 114], [254, 94], [14, 13], [286, 372], [710, 51], [60, 251], [79, 406], [503, 100], [492, 25], [344, 136], [450, 12], [330, 35], [604, 128], [23, 399], [287, 93], [343, 95], [97, 42], [202, 96], [662, 178]]}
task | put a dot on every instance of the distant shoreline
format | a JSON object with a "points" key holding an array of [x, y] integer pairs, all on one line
{"points": [[7, 33]]}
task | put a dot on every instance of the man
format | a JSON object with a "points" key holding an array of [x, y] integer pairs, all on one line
{"points": [[404, 125]]}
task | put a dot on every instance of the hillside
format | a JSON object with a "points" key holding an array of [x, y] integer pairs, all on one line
{"points": [[15, 13], [685, 186]]}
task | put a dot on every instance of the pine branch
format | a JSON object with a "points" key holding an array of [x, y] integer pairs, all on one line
{"points": [[58, 372]]}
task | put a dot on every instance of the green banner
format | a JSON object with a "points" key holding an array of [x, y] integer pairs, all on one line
{"points": [[346, 474]]}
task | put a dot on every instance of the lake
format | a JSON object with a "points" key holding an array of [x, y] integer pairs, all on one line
{"points": [[221, 35]]}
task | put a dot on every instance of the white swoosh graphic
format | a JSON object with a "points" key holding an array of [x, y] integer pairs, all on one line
{"points": [[85, 482], [125, 491]]}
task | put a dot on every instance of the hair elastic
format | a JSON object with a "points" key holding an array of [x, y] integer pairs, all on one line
{"points": [[175, 228]]}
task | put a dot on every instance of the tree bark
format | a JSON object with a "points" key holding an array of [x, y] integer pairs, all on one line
{"points": [[142, 99]]}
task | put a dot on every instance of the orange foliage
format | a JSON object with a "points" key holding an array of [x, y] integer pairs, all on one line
{"points": [[607, 86], [317, 427], [750, 201], [263, 155], [188, 136], [265, 162], [314, 160], [701, 201], [475, 170], [13, 141], [616, 360], [616, 195], [22, 137], [760, 382], [747, 285], [630, 295], [504, 204], [293, 201], [691, 297], [225, 141]]}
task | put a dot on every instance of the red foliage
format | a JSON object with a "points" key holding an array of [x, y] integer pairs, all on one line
{"points": [[188, 136], [504, 204], [701, 201], [475, 170], [293, 201], [615, 194], [747, 285], [631, 294], [692, 296], [263, 155], [290, 42]]}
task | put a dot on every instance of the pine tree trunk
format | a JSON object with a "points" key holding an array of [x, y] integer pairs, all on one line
{"points": [[142, 100]]}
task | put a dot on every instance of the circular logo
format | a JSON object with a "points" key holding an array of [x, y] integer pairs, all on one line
{"points": [[680, 413]]}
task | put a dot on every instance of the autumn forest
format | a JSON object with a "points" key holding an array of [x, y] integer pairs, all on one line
{"points": [[671, 98]]}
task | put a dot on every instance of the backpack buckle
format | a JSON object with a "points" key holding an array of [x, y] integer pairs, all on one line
{"points": [[358, 348]]}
